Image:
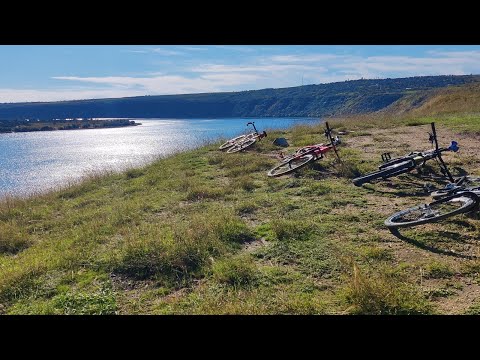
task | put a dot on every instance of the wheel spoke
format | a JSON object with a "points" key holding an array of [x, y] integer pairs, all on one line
{"points": [[432, 212], [291, 165]]}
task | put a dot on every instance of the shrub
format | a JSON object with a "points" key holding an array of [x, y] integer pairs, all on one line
{"points": [[437, 270], [134, 173], [237, 272], [291, 229], [12, 238], [244, 182], [181, 250], [383, 295]]}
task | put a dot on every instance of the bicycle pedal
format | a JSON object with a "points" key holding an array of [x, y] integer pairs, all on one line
{"points": [[386, 157]]}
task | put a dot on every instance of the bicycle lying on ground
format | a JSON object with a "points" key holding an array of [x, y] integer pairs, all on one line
{"points": [[397, 166], [305, 155], [243, 141], [465, 183], [450, 201]]}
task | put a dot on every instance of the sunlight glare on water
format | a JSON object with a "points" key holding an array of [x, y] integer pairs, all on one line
{"points": [[34, 162]]}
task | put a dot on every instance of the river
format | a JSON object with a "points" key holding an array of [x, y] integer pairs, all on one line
{"points": [[35, 162]]}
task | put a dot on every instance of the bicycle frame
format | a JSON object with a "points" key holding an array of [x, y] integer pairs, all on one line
{"points": [[438, 153], [318, 150], [420, 158], [256, 133]]}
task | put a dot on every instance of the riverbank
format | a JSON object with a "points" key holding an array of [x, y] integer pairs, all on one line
{"points": [[205, 232], [11, 126]]}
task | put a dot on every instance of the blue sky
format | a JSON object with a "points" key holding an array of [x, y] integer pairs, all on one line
{"points": [[58, 72]]}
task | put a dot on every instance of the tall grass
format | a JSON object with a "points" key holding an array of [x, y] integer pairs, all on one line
{"points": [[382, 294], [179, 251]]}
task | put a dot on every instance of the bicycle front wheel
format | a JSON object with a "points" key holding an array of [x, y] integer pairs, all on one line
{"points": [[242, 145], [385, 173], [231, 142], [433, 212], [287, 167]]}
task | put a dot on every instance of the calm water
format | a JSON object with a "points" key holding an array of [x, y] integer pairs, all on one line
{"points": [[38, 161]]}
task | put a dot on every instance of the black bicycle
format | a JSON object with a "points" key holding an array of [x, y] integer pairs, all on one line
{"points": [[397, 166], [462, 184], [456, 200]]}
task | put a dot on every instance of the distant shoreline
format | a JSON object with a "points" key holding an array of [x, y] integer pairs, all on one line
{"points": [[16, 126]]}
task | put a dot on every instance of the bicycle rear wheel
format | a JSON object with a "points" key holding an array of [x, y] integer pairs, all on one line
{"points": [[470, 183], [385, 173], [242, 145], [231, 142], [287, 167], [439, 194], [433, 212]]}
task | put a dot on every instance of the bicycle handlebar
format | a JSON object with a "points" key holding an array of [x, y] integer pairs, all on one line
{"points": [[253, 124]]}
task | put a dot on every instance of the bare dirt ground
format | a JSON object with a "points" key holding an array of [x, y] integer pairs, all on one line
{"points": [[454, 242]]}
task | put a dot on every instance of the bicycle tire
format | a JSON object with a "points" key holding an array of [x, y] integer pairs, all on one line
{"points": [[231, 142], [472, 184], [242, 145], [287, 167], [434, 211], [385, 173], [439, 194]]}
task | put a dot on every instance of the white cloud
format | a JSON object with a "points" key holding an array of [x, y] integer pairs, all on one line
{"points": [[271, 68], [169, 84], [156, 50], [193, 48], [166, 52], [16, 95], [305, 58], [254, 72], [136, 51], [244, 49]]}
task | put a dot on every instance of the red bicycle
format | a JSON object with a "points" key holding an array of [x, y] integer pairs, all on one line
{"points": [[305, 155]]}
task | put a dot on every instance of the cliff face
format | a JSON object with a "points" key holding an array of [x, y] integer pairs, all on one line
{"points": [[348, 97]]}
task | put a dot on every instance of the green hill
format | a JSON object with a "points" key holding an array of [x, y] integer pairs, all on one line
{"points": [[334, 99], [449, 100]]}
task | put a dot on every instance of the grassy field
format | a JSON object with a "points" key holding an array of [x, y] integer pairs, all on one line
{"points": [[205, 232]]}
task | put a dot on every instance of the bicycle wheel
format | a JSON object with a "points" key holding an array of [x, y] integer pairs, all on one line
{"points": [[446, 192], [433, 212], [393, 170], [231, 142], [290, 166], [471, 184], [242, 145]]}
